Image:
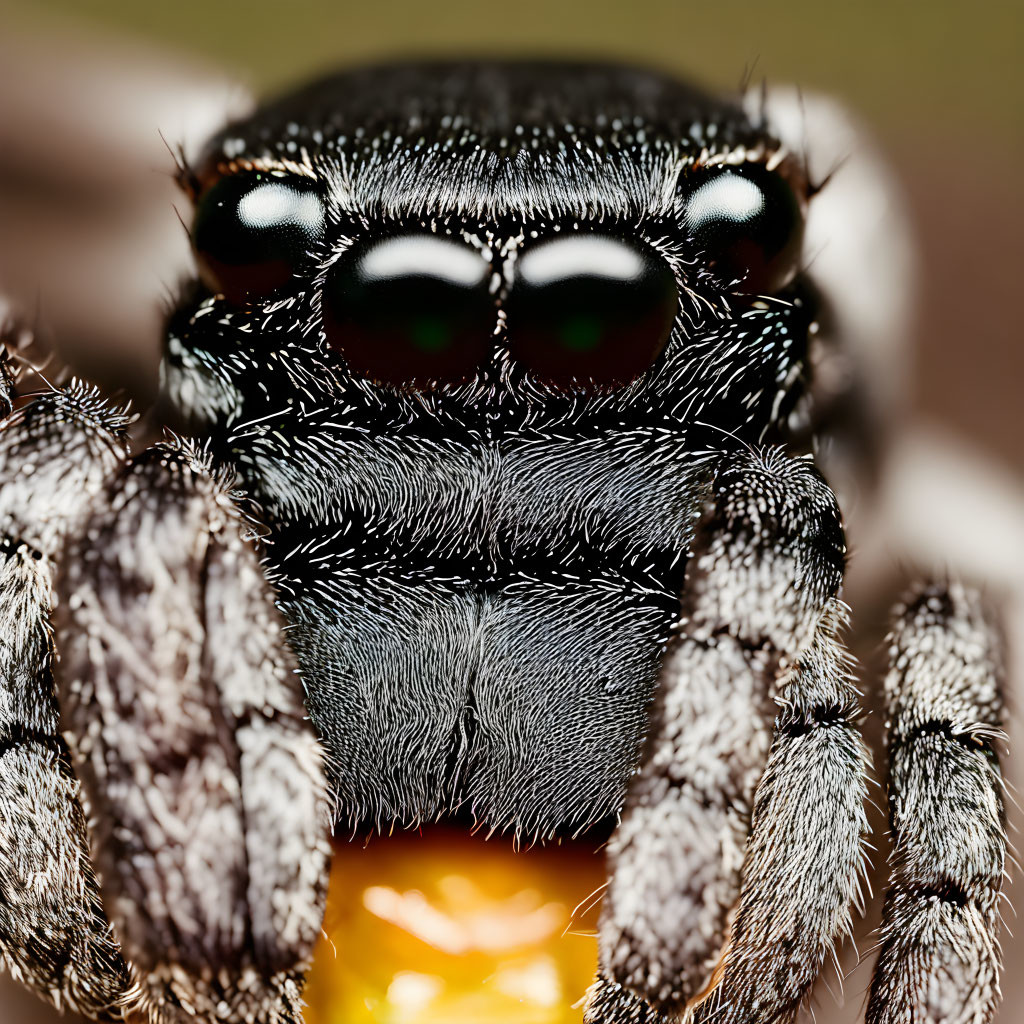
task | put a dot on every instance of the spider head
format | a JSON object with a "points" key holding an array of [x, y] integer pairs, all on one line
{"points": [[471, 337], [441, 239]]}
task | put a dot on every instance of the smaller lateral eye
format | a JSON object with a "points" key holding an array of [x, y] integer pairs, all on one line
{"points": [[748, 222], [590, 310], [410, 310], [252, 231]]}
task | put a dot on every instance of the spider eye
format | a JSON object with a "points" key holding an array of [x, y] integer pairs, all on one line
{"points": [[252, 231], [590, 309], [749, 224], [410, 309]]}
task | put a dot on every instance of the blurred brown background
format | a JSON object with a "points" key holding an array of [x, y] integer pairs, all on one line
{"points": [[940, 84]]}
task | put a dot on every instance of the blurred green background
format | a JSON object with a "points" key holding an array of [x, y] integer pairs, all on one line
{"points": [[899, 62], [940, 83]]}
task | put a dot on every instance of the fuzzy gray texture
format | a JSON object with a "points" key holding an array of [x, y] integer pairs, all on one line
{"points": [[54, 934], [184, 732], [758, 635], [939, 959]]}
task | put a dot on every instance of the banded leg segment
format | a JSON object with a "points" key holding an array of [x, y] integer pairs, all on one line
{"points": [[801, 876], [189, 734], [677, 853], [54, 935], [939, 956], [760, 609]]}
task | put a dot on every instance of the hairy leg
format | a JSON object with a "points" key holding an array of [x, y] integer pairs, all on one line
{"points": [[203, 775], [939, 956], [760, 621], [54, 935], [173, 566]]}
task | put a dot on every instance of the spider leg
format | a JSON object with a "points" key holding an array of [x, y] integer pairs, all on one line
{"points": [[54, 935], [186, 722], [939, 956], [760, 622]]}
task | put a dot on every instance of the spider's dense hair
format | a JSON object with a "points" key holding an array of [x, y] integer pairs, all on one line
{"points": [[503, 141], [481, 576]]}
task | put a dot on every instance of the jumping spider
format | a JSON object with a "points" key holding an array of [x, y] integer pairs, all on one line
{"points": [[503, 382]]}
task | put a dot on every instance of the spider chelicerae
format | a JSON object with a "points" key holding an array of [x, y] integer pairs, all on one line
{"points": [[493, 495]]}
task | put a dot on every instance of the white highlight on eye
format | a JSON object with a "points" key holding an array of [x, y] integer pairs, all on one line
{"points": [[728, 197], [425, 256], [274, 204], [580, 256]]}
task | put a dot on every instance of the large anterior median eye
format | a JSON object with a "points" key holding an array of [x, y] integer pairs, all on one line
{"points": [[411, 309], [749, 225], [590, 310], [252, 230]]}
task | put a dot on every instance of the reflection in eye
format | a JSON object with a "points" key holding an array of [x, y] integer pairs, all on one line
{"points": [[426, 256], [410, 309], [253, 231], [274, 205], [581, 256], [748, 223], [727, 198], [590, 310]]}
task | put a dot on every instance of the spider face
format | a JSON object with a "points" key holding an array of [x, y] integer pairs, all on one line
{"points": [[508, 363], [468, 336]]}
